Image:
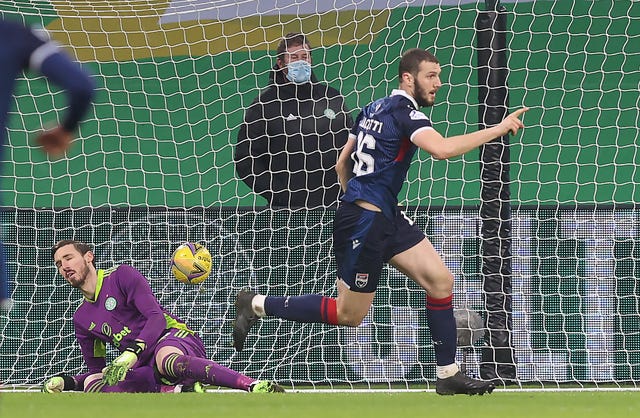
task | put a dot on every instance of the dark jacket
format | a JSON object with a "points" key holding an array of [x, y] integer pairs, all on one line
{"points": [[289, 143]]}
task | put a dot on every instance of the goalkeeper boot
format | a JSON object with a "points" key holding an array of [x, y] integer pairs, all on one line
{"points": [[245, 318], [265, 386], [460, 383]]}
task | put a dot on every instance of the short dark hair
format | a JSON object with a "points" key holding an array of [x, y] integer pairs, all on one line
{"points": [[81, 247], [289, 40], [411, 59]]}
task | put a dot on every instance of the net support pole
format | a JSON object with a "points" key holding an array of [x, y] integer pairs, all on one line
{"points": [[498, 362]]}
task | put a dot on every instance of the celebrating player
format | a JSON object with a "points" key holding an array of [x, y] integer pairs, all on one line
{"points": [[20, 49], [370, 230], [120, 309]]}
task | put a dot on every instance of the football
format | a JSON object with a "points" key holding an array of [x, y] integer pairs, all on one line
{"points": [[191, 263]]}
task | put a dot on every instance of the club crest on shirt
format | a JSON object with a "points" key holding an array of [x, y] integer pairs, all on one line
{"points": [[362, 279], [110, 304]]}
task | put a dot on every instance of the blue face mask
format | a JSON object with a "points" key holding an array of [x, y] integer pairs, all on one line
{"points": [[299, 71]]}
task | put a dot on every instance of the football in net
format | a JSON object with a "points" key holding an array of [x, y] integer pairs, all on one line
{"points": [[191, 263]]}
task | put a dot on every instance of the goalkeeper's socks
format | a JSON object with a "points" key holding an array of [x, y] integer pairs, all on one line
{"points": [[306, 308], [204, 371], [442, 325]]}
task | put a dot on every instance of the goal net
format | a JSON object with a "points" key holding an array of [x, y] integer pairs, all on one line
{"points": [[153, 167]]}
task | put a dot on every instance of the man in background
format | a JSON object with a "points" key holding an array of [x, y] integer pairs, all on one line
{"points": [[292, 133]]}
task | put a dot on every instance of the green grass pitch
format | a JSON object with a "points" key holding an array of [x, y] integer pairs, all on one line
{"points": [[326, 405]]}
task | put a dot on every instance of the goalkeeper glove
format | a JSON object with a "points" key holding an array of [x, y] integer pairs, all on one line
{"points": [[59, 383], [117, 370]]}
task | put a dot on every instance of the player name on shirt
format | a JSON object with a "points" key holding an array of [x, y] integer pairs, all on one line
{"points": [[371, 124]]}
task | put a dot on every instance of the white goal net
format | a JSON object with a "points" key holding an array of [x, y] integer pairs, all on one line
{"points": [[154, 167]]}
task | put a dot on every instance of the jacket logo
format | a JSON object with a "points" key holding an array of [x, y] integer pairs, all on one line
{"points": [[290, 117]]}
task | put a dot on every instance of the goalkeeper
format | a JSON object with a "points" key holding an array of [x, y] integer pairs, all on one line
{"points": [[22, 48], [156, 348]]}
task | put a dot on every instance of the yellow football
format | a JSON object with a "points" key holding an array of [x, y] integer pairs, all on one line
{"points": [[191, 263]]}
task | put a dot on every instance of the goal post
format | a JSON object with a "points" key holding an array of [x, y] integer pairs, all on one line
{"points": [[153, 167], [498, 361]]}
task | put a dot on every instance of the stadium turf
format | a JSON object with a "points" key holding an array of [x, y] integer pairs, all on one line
{"points": [[326, 405]]}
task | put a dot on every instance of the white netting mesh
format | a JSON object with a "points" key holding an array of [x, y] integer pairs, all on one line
{"points": [[154, 167]]}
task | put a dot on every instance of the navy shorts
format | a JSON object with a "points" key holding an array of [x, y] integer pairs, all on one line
{"points": [[364, 240]]}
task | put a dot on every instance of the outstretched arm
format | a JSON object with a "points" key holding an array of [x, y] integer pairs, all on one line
{"points": [[74, 80], [67, 74], [59, 383], [93, 353], [442, 148]]}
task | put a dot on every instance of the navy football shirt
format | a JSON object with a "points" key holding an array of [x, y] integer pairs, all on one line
{"points": [[383, 150]]}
